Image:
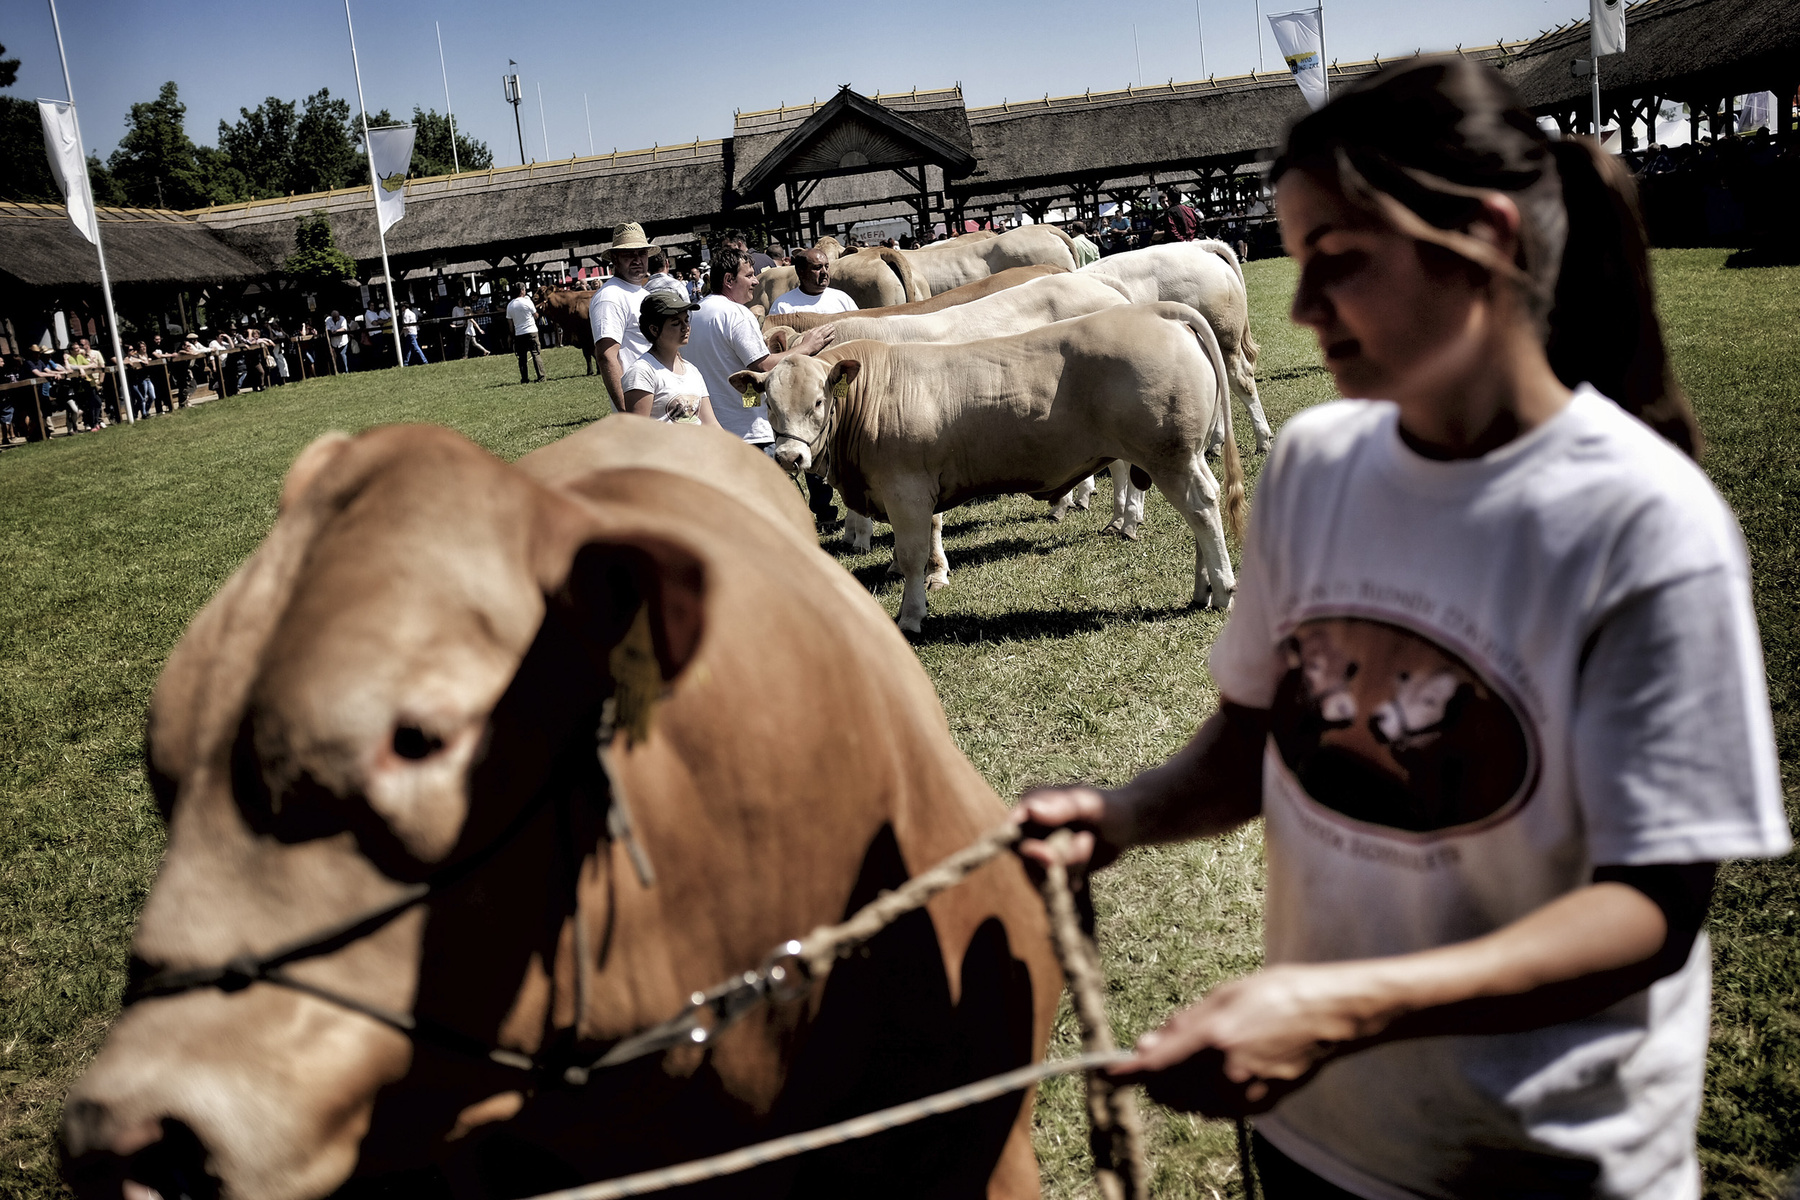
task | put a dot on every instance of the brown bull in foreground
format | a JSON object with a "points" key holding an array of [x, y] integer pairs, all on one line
{"points": [[392, 708], [567, 309]]}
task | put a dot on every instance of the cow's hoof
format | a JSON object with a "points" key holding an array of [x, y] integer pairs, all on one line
{"points": [[1263, 444], [1129, 532], [937, 583], [1083, 504], [1057, 514], [912, 629], [1113, 526]]}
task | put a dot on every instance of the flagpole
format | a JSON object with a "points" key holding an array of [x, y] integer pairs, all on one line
{"points": [[541, 125], [455, 163], [1259, 49], [1595, 63], [112, 318], [1324, 59], [1201, 26], [387, 273], [590, 123]]}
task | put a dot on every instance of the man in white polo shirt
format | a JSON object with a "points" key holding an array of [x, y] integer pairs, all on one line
{"points": [[815, 293], [613, 315], [725, 338]]}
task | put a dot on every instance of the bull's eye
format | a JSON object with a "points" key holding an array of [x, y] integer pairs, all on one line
{"points": [[412, 742]]}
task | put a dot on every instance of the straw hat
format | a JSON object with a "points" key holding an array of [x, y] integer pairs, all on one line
{"points": [[629, 236]]}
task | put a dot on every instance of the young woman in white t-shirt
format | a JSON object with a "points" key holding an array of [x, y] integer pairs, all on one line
{"points": [[662, 384], [1492, 681]]}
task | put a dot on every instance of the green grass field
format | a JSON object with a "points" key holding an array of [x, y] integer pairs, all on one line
{"points": [[1058, 655]]}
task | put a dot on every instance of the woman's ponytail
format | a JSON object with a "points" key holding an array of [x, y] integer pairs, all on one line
{"points": [[1603, 324]]}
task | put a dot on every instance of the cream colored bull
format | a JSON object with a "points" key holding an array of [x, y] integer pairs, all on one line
{"points": [[921, 428], [1029, 306], [950, 264], [1205, 276]]}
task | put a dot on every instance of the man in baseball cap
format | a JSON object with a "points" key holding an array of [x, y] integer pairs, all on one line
{"points": [[613, 315]]}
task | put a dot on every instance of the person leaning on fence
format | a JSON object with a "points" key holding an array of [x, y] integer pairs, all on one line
{"points": [[86, 366], [1177, 222], [1492, 680], [662, 385], [337, 333], [523, 315], [613, 312]]}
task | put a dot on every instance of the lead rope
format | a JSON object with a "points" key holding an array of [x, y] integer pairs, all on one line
{"points": [[1114, 1135]]}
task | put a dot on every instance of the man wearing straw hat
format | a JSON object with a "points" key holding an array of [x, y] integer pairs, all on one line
{"points": [[613, 315]]}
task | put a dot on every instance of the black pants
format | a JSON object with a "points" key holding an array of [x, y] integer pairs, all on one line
{"points": [[524, 344]]}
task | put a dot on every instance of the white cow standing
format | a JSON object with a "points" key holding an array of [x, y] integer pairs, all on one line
{"points": [[918, 428], [945, 265], [1207, 277], [1029, 306]]}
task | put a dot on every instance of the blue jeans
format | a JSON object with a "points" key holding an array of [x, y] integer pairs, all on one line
{"points": [[412, 348], [342, 354]]}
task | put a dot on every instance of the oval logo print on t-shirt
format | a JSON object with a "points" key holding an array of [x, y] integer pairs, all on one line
{"points": [[1385, 726]]}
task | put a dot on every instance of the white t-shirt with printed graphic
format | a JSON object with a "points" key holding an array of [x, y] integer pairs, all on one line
{"points": [[674, 396], [1486, 678]]}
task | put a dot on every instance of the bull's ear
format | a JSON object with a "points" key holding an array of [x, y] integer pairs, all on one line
{"points": [[779, 338], [745, 381], [846, 369], [615, 588], [318, 454]]}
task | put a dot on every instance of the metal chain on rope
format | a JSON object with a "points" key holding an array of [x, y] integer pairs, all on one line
{"points": [[1115, 1135]]}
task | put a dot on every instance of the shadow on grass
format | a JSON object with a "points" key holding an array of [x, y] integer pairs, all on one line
{"points": [[987, 552], [1034, 624], [577, 423]]}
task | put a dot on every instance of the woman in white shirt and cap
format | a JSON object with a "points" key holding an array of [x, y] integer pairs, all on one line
{"points": [[662, 385]]}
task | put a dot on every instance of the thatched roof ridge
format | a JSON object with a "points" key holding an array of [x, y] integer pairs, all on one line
{"points": [[1682, 49], [505, 216], [39, 248]]}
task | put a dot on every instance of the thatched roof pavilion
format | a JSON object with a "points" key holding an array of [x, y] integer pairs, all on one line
{"points": [[40, 248]]}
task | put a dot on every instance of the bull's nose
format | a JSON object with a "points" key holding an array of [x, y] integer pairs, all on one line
{"points": [[152, 1160]]}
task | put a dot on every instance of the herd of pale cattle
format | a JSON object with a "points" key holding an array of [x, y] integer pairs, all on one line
{"points": [[1056, 372], [403, 893]]}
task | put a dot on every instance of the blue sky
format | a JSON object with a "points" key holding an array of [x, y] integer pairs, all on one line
{"points": [[670, 72]]}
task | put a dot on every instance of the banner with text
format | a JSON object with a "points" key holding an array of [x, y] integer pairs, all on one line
{"points": [[391, 151], [1303, 46], [69, 165]]}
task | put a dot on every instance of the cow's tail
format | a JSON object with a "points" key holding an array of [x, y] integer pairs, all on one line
{"points": [[911, 282], [1248, 346], [1231, 504]]}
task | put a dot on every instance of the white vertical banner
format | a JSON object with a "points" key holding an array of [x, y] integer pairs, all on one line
{"points": [[390, 150], [1302, 44], [1607, 18], [69, 165]]}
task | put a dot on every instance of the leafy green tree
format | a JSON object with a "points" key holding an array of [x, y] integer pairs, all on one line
{"points": [[316, 260], [431, 146], [155, 163], [324, 156], [261, 145], [27, 176], [107, 192], [9, 70], [220, 180]]}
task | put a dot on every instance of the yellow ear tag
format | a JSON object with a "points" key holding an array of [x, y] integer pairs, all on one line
{"points": [[637, 679], [752, 397], [841, 388]]}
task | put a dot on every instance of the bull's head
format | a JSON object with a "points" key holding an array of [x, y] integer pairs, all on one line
{"points": [[802, 394], [409, 664]]}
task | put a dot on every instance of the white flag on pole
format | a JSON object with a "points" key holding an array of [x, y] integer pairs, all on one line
{"points": [[1608, 20], [1297, 34], [69, 165], [391, 150]]}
